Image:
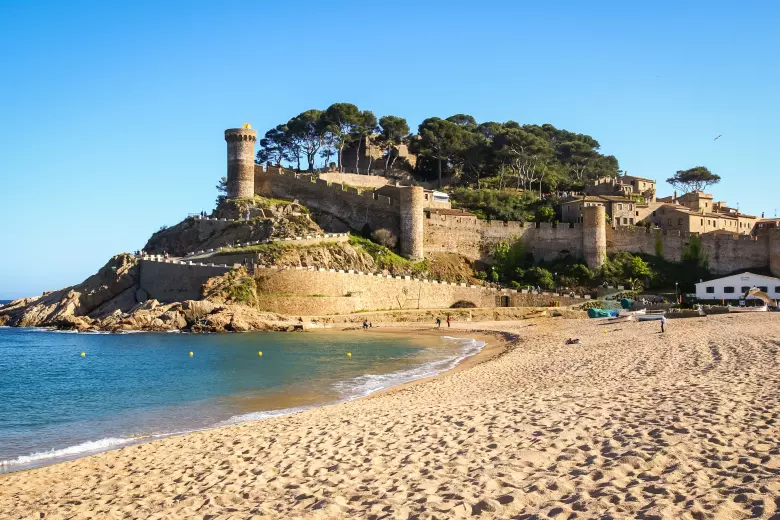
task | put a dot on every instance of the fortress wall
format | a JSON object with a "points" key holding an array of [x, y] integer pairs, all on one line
{"points": [[774, 252], [353, 179], [476, 238], [291, 291], [726, 254], [354, 208], [170, 282]]}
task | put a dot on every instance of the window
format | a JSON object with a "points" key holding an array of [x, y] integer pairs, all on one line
{"points": [[620, 206], [744, 289], [728, 290], [763, 288], [702, 222], [637, 213], [679, 222], [630, 206], [710, 290], [625, 221], [777, 289], [631, 221]]}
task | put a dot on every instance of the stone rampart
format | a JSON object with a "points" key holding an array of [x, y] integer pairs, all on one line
{"points": [[355, 208], [307, 240], [321, 291], [170, 281], [774, 252], [354, 179], [725, 253], [475, 238]]}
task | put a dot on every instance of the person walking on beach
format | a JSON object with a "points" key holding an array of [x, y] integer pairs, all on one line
{"points": [[663, 323], [438, 322], [365, 324], [448, 320]]}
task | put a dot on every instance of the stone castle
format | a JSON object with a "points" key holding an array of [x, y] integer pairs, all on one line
{"points": [[423, 226]]}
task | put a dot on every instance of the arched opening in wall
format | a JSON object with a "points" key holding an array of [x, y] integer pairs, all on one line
{"points": [[463, 304], [502, 301]]}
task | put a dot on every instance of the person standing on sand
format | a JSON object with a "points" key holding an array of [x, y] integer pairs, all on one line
{"points": [[438, 322], [448, 320], [663, 323]]}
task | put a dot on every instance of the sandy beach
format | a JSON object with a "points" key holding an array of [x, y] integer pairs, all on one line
{"points": [[627, 424]]}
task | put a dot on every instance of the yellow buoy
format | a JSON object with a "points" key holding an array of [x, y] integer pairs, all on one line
{"points": [[83, 354], [605, 331], [191, 354], [349, 354], [259, 353]]}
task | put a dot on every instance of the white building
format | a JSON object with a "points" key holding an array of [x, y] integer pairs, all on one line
{"points": [[735, 286]]}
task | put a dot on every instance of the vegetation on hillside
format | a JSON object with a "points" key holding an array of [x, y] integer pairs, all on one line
{"points": [[489, 154], [515, 267], [489, 204]]}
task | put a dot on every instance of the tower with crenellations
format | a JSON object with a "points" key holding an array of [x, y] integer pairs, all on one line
{"points": [[241, 161]]}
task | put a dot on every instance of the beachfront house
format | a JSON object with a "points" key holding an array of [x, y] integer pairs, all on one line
{"points": [[735, 286]]}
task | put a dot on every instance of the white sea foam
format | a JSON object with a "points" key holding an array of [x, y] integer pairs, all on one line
{"points": [[367, 384], [259, 416], [354, 388], [69, 452]]}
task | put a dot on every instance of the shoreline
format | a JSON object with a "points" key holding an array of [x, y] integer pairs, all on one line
{"points": [[490, 349], [628, 422]]}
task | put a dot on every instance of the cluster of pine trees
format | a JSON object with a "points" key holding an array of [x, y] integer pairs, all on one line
{"points": [[482, 155]]}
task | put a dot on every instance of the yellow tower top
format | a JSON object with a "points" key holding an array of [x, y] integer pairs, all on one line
{"points": [[248, 126]]}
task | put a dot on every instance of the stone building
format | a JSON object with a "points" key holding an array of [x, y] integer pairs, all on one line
{"points": [[622, 211], [627, 186]]}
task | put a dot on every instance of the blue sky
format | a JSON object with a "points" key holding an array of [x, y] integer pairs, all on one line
{"points": [[112, 114]]}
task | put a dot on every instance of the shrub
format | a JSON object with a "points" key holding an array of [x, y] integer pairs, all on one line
{"points": [[385, 237], [463, 304], [541, 277]]}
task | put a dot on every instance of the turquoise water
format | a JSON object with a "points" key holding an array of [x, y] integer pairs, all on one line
{"points": [[128, 388]]}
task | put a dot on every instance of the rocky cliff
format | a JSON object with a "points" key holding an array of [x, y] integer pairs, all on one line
{"points": [[111, 300], [267, 219]]}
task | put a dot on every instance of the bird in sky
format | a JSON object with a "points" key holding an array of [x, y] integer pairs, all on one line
{"points": [[721, 135]]}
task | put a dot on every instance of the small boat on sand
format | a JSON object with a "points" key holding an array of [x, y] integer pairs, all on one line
{"points": [[757, 308], [649, 317]]}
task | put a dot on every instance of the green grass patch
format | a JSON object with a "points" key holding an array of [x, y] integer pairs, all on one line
{"points": [[386, 259]]}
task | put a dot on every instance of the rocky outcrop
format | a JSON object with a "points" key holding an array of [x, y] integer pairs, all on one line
{"points": [[111, 301], [107, 289], [267, 221]]}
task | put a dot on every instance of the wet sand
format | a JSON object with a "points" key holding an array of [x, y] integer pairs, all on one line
{"points": [[629, 423]]}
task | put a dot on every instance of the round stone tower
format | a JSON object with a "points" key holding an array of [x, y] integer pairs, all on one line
{"points": [[241, 161], [412, 204], [774, 252], [594, 235]]}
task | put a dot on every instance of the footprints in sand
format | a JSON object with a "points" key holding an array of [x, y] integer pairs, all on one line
{"points": [[620, 427]]}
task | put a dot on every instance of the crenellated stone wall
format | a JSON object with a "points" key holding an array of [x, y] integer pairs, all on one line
{"points": [[327, 291], [725, 253], [172, 281], [353, 207], [774, 252], [476, 238]]}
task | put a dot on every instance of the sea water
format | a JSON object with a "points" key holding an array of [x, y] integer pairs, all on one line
{"points": [[129, 388]]}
